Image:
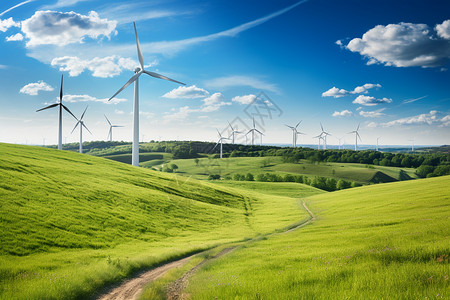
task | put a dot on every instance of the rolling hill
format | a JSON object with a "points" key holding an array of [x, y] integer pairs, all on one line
{"points": [[73, 223], [387, 241]]}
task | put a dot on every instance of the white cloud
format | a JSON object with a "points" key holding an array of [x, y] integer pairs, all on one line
{"points": [[370, 101], [372, 125], [15, 6], [443, 30], [103, 67], [404, 45], [445, 121], [63, 3], [181, 114], [338, 93], [413, 100], [190, 92], [214, 102], [119, 112], [3, 67], [372, 114], [238, 80], [246, 99], [344, 113], [429, 119], [87, 98], [62, 28], [15, 37], [34, 88], [8, 23]]}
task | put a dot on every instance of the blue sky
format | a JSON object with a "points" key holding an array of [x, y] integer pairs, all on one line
{"points": [[384, 64]]}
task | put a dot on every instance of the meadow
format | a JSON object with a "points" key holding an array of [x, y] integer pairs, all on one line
{"points": [[74, 224], [363, 174], [387, 241]]}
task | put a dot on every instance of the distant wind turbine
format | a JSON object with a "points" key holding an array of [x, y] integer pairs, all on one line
{"points": [[233, 132], [81, 123], [252, 131], [294, 133], [221, 138], [412, 146], [61, 106], [320, 138], [357, 136], [110, 129], [340, 142], [377, 141], [138, 72]]}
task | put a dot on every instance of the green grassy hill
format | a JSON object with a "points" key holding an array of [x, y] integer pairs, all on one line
{"points": [[387, 241], [256, 165], [73, 223]]}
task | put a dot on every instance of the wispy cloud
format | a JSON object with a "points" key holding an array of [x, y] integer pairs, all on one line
{"points": [[15, 6], [372, 114], [370, 101], [239, 80], [344, 113], [430, 118], [338, 93], [87, 98], [63, 3], [186, 92], [34, 88], [413, 100]]}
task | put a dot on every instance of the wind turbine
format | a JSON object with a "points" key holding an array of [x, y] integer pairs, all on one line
{"points": [[357, 136], [221, 138], [412, 146], [110, 129], [61, 106], [81, 123], [320, 138], [233, 132], [294, 133], [138, 72], [340, 142], [377, 141], [253, 132], [324, 137]]}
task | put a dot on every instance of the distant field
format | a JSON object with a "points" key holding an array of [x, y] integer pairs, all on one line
{"points": [[73, 223], [387, 241], [348, 171]]}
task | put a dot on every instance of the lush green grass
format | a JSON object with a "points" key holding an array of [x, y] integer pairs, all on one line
{"points": [[387, 241], [145, 159], [73, 223], [256, 165]]}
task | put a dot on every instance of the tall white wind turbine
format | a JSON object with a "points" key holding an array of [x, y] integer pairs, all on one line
{"points": [[294, 133], [233, 132], [81, 123], [320, 138], [340, 142], [324, 135], [252, 131], [377, 141], [110, 129], [221, 138], [138, 72], [412, 145], [61, 106], [357, 136]]}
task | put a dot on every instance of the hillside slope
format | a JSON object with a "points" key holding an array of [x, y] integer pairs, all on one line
{"points": [[387, 241], [80, 222]]}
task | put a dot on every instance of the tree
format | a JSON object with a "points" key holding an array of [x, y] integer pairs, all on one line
{"points": [[249, 177], [174, 167], [343, 184], [196, 161]]}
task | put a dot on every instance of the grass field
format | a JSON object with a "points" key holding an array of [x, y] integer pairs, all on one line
{"points": [[72, 223], [147, 160], [387, 241], [256, 165]]}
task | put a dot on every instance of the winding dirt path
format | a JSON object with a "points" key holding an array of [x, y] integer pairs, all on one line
{"points": [[132, 289]]}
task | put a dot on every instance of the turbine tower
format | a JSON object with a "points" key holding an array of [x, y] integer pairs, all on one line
{"points": [[320, 138], [81, 123], [294, 133], [233, 132], [221, 138], [357, 136], [61, 106], [110, 129], [377, 141], [252, 131], [340, 142], [138, 72], [412, 146]]}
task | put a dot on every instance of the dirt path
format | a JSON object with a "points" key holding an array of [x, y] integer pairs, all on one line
{"points": [[132, 289]]}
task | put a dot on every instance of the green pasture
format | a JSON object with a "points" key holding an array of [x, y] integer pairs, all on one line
{"points": [[73, 224], [386, 241]]}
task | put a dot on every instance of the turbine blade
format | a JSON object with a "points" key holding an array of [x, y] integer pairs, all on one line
{"points": [[108, 120], [60, 91], [321, 126], [117, 126], [86, 128], [253, 122], [132, 79], [230, 126], [141, 59], [289, 126], [215, 146], [109, 133], [75, 127], [156, 75], [298, 124], [69, 111], [358, 127], [50, 106], [259, 131], [219, 132], [84, 113]]}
